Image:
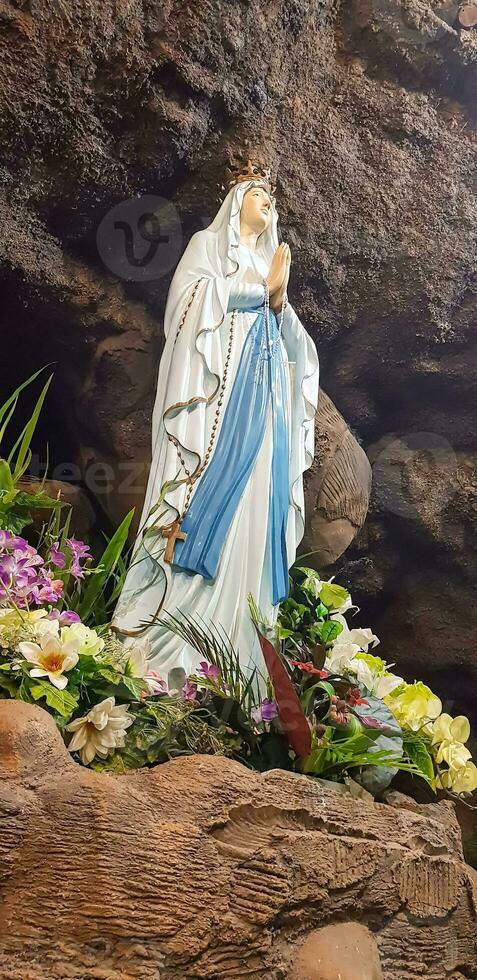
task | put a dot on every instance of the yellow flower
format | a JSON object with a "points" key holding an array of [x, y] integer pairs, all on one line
{"points": [[52, 658], [101, 731], [89, 643], [454, 753], [463, 780], [447, 729], [413, 705]]}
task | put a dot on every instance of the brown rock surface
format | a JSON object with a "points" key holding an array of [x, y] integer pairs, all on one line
{"points": [[347, 950], [337, 487], [368, 109], [202, 869]]}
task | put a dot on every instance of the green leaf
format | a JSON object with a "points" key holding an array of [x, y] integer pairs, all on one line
{"points": [[134, 685], [108, 563], [333, 596], [8, 407], [8, 684], [23, 442], [34, 501], [62, 702], [418, 753], [327, 632], [311, 582], [6, 480]]}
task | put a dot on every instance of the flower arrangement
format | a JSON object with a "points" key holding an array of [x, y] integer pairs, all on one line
{"points": [[328, 705]]}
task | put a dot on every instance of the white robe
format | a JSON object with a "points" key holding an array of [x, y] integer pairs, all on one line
{"points": [[243, 566]]}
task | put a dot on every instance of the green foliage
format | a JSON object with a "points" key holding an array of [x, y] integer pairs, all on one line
{"points": [[16, 506], [87, 604], [304, 620], [214, 647], [61, 702]]}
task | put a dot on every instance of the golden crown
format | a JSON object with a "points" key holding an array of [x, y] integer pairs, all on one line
{"points": [[253, 171]]}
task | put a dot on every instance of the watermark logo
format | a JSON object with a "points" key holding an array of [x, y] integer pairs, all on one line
{"points": [[414, 473], [140, 240]]}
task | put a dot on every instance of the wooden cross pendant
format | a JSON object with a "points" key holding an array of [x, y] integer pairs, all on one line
{"points": [[173, 533]]}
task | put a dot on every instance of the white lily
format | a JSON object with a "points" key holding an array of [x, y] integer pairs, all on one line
{"points": [[52, 658], [101, 731], [365, 638], [341, 657], [138, 659]]}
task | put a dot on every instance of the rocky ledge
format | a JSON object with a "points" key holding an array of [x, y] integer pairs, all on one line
{"points": [[202, 869]]}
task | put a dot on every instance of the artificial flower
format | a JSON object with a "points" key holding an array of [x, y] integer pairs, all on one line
{"points": [[78, 550], [210, 671], [379, 684], [53, 658], [462, 780], [157, 684], [137, 659], [447, 729], [189, 691], [88, 641], [454, 754], [101, 731], [266, 712], [65, 617], [57, 557], [413, 705], [353, 697], [309, 668], [339, 712]]}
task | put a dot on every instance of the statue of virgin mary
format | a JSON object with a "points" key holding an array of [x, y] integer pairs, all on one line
{"points": [[232, 434]]}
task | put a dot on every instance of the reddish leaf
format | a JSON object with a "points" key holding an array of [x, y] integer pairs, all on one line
{"points": [[289, 708]]}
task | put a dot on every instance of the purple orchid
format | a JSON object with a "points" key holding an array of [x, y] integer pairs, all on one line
{"points": [[209, 671], [57, 557], [78, 550], [267, 711], [9, 540], [189, 691], [65, 618]]}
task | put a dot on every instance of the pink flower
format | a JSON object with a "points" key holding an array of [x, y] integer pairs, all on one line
{"points": [[210, 671], [157, 684], [309, 668], [57, 557], [65, 618], [189, 691], [78, 550]]}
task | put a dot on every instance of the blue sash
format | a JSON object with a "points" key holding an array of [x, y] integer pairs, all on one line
{"points": [[259, 382]]}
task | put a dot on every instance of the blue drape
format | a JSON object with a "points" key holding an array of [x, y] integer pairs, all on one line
{"points": [[260, 382]]}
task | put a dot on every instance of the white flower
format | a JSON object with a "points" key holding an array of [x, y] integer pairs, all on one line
{"points": [[138, 659], [52, 658], [88, 641], [101, 731], [364, 638], [378, 684], [341, 657], [46, 627]]}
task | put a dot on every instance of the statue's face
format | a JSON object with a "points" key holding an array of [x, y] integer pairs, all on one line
{"points": [[256, 209]]}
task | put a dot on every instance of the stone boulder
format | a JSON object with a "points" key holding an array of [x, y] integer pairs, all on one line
{"points": [[202, 869]]}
